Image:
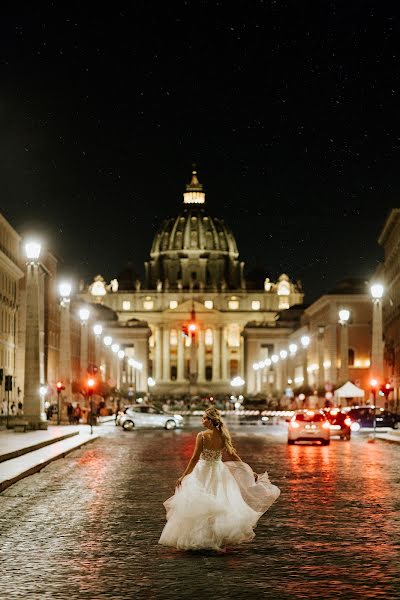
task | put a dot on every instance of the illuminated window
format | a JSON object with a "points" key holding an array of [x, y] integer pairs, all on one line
{"points": [[126, 305], [208, 338], [233, 335], [188, 341], [173, 304], [173, 337], [233, 303], [209, 304], [255, 305], [148, 303]]}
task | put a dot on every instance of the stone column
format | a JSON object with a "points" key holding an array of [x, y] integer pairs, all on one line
{"points": [[158, 347], [224, 355], [344, 353], [166, 372], [33, 403], [376, 369], [181, 357], [216, 372], [141, 355], [201, 356], [320, 346], [305, 364]]}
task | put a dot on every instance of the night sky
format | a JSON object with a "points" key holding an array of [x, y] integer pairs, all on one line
{"points": [[289, 109]]}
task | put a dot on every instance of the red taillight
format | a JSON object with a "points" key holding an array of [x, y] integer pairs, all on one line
{"points": [[347, 421], [294, 424]]}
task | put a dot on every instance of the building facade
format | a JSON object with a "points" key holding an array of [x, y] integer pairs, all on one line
{"points": [[194, 277]]}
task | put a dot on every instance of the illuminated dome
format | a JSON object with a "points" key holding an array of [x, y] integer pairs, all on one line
{"points": [[194, 250]]}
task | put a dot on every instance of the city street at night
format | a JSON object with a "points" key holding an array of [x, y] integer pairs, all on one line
{"points": [[87, 526]]}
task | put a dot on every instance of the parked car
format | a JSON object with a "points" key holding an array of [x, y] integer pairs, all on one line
{"points": [[340, 423], [364, 417], [309, 425], [149, 416]]}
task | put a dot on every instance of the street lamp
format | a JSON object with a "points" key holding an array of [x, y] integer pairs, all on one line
{"points": [[33, 402], [64, 290], [376, 370], [344, 316], [84, 314], [60, 387]]}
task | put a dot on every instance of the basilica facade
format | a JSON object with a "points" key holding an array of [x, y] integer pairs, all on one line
{"points": [[194, 324]]}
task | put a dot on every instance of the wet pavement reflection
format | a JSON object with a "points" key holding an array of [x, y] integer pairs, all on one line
{"points": [[87, 526]]}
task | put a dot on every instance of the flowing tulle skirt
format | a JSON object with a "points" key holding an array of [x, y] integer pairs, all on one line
{"points": [[218, 504]]}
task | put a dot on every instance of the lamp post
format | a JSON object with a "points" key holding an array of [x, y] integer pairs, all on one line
{"points": [[376, 369], [90, 389], [344, 316], [84, 314], [374, 384], [33, 402], [64, 290]]}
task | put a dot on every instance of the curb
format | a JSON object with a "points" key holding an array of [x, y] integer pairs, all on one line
{"points": [[26, 449], [36, 468]]}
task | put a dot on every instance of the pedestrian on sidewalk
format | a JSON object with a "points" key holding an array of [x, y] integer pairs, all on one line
{"points": [[20, 408], [77, 413], [216, 503], [70, 413]]}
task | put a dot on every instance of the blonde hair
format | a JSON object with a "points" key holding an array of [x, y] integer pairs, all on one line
{"points": [[214, 415]]}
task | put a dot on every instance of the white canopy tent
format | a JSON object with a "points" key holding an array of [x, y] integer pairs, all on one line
{"points": [[349, 390]]}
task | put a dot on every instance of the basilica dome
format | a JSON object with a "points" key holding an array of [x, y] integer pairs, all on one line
{"points": [[194, 249]]}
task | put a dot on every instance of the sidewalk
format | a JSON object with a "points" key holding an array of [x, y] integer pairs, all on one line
{"points": [[22, 454], [392, 436]]}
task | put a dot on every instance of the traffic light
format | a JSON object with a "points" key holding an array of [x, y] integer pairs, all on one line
{"points": [[385, 389], [60, 386], [91, 383]]}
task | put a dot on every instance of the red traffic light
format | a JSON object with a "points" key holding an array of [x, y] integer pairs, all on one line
{"points": [[60, 386], [91, 384]]}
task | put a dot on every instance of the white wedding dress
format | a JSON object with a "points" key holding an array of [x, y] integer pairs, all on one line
{"points": [[217, 505]]}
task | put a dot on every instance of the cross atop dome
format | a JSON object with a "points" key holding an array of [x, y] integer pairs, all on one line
{"points": [[194, 190]]}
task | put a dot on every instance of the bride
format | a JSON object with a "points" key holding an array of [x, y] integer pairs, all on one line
{"points": [[215, 503]]}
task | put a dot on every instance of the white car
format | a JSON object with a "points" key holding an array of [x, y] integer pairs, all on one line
{"points": [[309, 425], [149, 416]]}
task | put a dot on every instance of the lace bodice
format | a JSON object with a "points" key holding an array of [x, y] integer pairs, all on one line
{"points": [[208, 454], [211, 454]]}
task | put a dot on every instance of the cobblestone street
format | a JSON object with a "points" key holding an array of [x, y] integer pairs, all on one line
{"points": [[87, 526]]}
